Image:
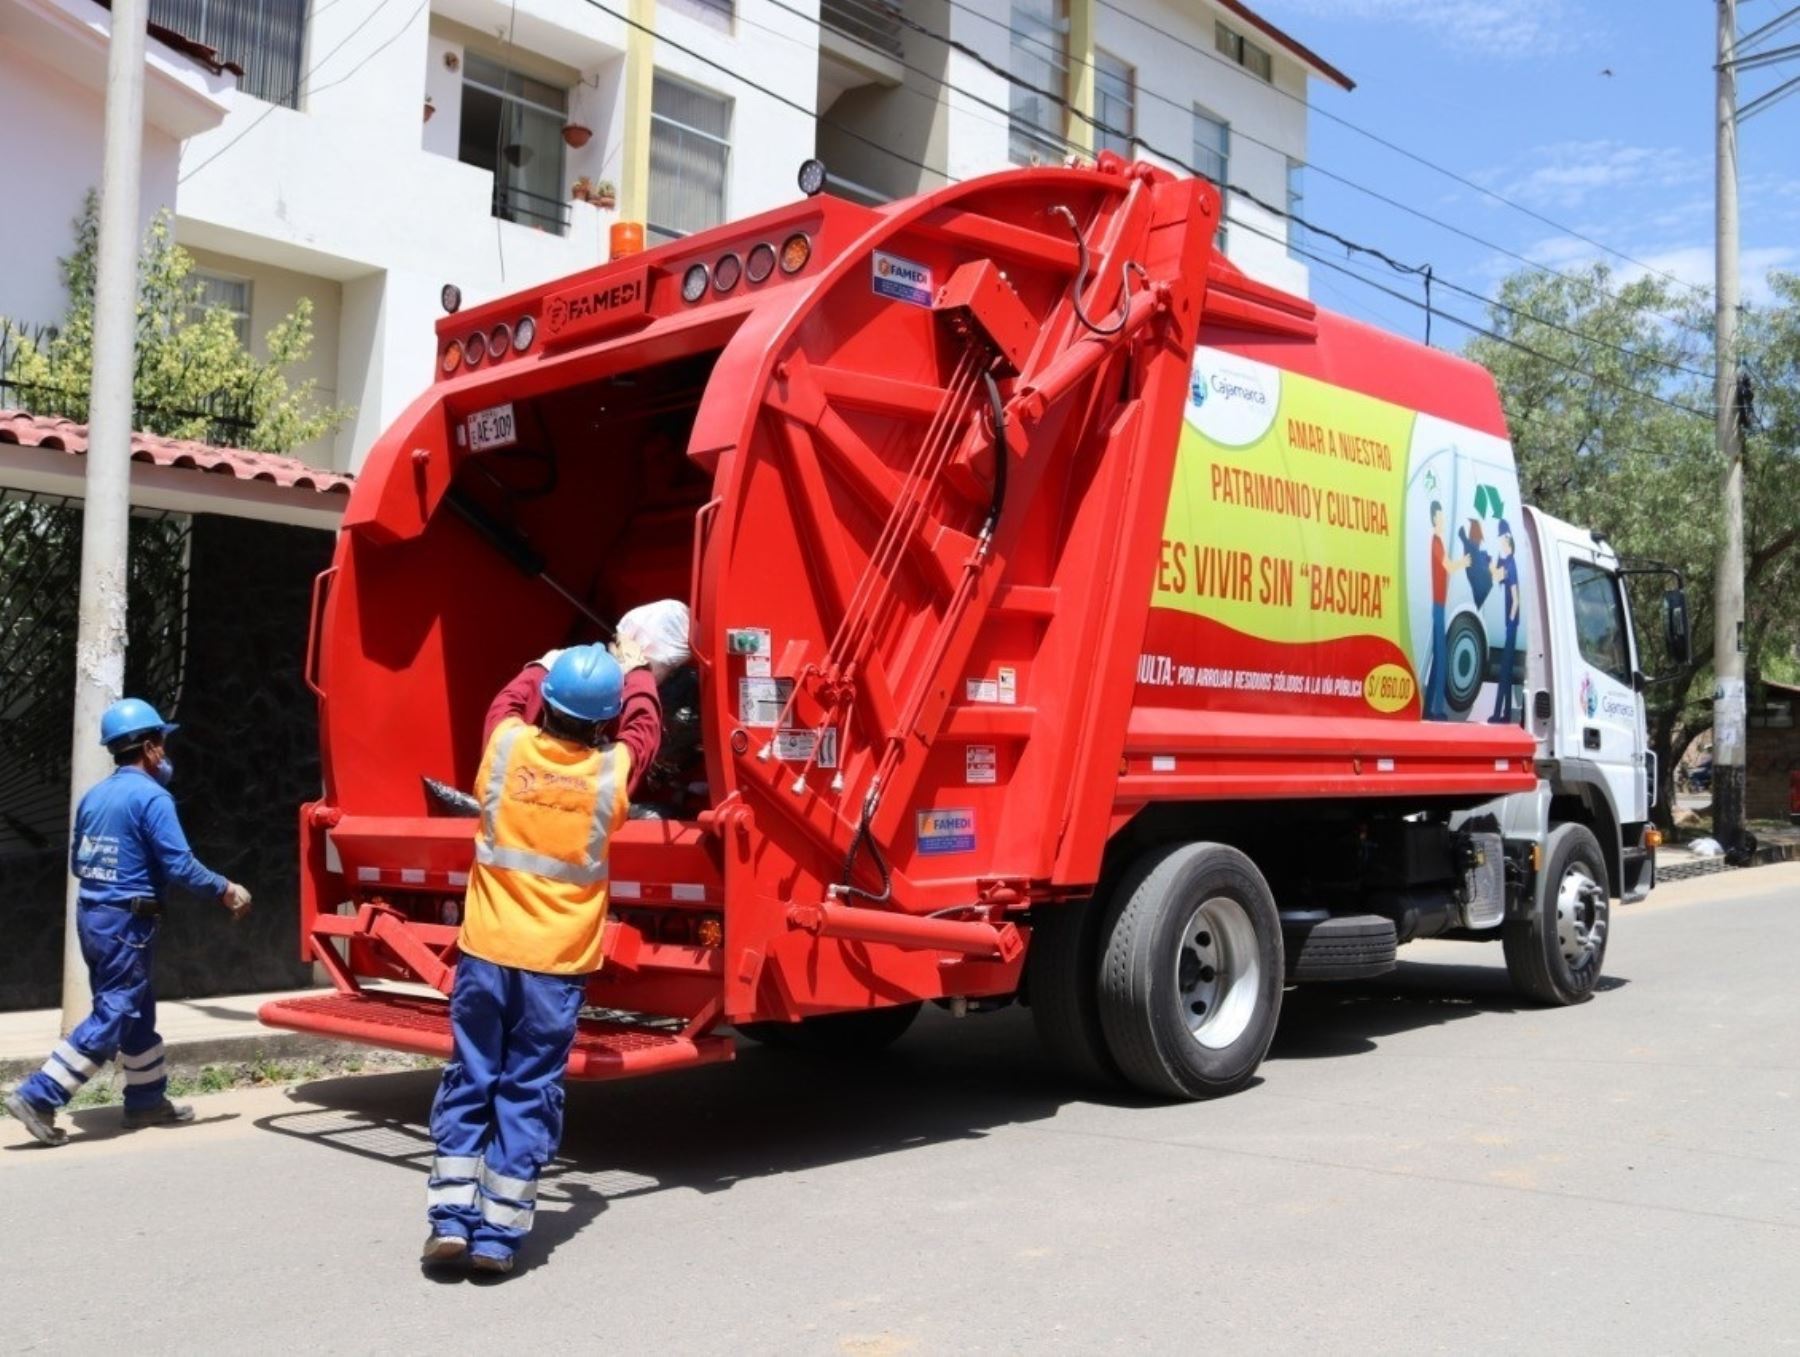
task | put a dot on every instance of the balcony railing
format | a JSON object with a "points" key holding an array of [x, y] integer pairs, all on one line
{"points": [[531, 209], [874, 23]]}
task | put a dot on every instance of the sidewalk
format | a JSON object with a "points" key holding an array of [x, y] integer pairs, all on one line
{"points": [[1774, 843], [195, 1032]]}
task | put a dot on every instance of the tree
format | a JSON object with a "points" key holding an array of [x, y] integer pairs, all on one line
{"points": [[1608, 394], [194, 378]]}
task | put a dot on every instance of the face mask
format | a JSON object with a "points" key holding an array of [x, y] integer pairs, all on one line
{"points": [[164, 770]]}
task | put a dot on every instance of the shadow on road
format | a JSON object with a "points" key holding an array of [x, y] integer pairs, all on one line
{"points": [[774, 1112]]}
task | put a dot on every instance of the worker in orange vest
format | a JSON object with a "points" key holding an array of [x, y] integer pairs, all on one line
{"points": [[552, 794]]}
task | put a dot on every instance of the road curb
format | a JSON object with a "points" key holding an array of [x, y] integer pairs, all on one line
{"points": [[187, 1057], [1766, 856]]}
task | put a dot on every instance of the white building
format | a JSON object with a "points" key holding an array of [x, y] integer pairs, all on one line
{"points": [[375, 151], [952, 88], [52, 102]]}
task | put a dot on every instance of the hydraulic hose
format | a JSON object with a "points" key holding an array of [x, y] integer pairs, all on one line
{"points": [[1126, 269], [997, 412]]}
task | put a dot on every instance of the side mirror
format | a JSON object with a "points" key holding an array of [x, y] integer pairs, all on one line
{"points": [[1675, 627]]}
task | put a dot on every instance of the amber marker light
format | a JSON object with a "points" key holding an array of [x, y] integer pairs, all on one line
{"points": [[795, 251]]}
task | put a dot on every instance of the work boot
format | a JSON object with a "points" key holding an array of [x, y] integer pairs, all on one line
{"points": [[40, 1121], [164, 1113], [494, 1264], [443, 1248]]}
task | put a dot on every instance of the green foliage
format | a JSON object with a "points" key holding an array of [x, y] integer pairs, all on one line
{"points": [[193, 375], [1606, 454]]}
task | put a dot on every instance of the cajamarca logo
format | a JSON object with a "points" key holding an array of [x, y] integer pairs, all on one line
{"points": [[1590, 695], [1232, 400]]}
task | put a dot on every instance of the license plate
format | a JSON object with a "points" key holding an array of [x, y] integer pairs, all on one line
{"points": [[492, 428]]}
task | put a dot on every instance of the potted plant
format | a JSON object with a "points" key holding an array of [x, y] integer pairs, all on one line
{"points": [[576, 135], [583, 191], [430, 108], [605, 195]]}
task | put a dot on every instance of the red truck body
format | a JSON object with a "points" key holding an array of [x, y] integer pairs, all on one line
{"points": [[947, 670]]}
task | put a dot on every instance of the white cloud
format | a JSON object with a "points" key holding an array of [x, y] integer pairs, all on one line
{"points": [[1571, 174], [1497, 28], [1691, 264]]}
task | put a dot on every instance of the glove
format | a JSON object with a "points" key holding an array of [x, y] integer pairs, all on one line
{"points": [[237, 900], [545, 660], [629, 654]]}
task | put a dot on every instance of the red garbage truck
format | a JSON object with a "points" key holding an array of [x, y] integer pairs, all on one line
{"points": [[1075, 621]]}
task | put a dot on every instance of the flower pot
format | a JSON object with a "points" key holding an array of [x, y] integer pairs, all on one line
{"points": [[577, 135]]}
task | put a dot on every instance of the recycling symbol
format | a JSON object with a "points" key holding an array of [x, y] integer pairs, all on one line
{"points": [[1488, 503]]}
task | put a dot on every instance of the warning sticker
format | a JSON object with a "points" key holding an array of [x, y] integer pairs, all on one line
{"points": [[796, 746], [1009, 686], [902, 279], [946, 831], [760, 700], [758, 666], [1002, 690], [981, 765]]}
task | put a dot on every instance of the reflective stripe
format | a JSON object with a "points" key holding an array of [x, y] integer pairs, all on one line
{"points": [[450, 1194], [490, 797], [143, 1059], [539, 864], [454, 1166], [57, 1072], [611, 779], [154, 1075], [75, 1060], [517, 1189], [506, 1217]]}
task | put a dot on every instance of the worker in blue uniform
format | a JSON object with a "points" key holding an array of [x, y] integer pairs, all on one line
{"points": [[126, 850]]}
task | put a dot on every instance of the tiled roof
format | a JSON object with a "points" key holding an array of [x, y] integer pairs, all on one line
{"points": [[64, 435], [207, 56]]}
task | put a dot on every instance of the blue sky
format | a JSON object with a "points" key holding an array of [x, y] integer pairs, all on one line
{"points": [[1511, 94]]}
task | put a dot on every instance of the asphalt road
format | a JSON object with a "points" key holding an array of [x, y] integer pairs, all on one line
{"points": [[1423, 1167]]}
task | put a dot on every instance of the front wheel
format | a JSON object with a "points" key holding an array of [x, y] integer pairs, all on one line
{"points": [[1555, 954], [1191, 972]]}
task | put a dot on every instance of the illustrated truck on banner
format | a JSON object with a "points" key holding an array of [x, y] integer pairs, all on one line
{"points": [[1075, 622]]}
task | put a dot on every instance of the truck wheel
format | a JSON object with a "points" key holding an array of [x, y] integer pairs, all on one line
{"points": [[1554, 956], [860, 1033], [1465, 643], [1060, 983], [1191, 972]]}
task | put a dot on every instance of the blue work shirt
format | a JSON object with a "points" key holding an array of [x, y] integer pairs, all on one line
{"points": [[128, 843], [1509, 591]]}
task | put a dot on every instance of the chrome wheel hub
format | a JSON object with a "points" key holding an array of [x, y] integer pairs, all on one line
{"points": [[1580, 916], [1218, 972]]}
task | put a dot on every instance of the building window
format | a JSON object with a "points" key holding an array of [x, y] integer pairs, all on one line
{"points": [[1115, 104], [1296, 204], [719, 14], [1040, 68], [266, 37], [221, 292], [1212, 158], [1247, 54], [690, 152], [512, 127]]}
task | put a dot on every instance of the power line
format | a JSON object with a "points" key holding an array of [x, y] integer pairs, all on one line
{"points": [[1410, 155]]}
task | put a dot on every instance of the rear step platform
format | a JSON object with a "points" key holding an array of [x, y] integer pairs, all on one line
{"points": [[603, 1050]]}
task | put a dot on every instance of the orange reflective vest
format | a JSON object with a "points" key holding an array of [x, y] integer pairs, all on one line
{"points": [[538, 890]]}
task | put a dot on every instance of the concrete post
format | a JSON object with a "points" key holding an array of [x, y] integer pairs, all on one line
{"points": [[1728, 608]]}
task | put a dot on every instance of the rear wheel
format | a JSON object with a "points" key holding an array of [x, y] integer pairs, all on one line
{"points": [[1191, 972], [1554, 956], [860, 1033]]}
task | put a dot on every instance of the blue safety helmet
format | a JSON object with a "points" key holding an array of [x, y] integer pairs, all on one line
{"points": [[129, 718], [585, 684]]}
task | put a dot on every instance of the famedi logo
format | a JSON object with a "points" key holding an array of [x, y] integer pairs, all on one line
{"points": [[889, 267]]}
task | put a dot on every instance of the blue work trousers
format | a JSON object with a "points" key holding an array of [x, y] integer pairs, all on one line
{"points": [[119, 948], [498, 1115]]}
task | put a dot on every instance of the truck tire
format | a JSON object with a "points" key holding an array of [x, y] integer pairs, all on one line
{"points": [[1554, 955], [1060, 980], [1191, 971], [860, 1033]]}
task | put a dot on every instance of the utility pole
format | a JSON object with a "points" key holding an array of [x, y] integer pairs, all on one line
{"points": [[106, 498], [1728, 606]]}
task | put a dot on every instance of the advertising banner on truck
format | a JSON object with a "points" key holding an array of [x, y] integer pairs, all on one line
{"points": [[1327, 552]]}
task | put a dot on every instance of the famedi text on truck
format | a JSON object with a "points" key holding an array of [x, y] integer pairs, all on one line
{"points": [[1075, 621]]}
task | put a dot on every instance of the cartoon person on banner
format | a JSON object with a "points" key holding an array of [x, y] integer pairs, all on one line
{"points": [[1443, 565], [1506, 575]]}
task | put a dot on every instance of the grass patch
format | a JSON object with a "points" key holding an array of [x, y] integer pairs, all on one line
{"points": [[108, 1087]]}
